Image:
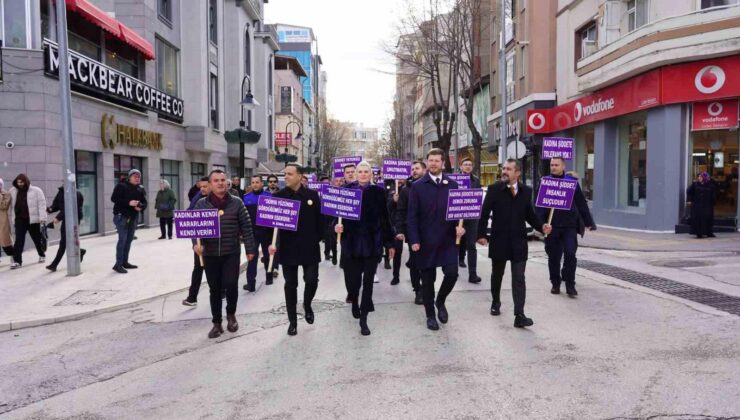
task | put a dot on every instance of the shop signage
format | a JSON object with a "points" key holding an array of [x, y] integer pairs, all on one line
{"points": [[283, 139], [93, 77], [557, 147], [112, 134], [701, 80], [715, 115], [513, 129]]}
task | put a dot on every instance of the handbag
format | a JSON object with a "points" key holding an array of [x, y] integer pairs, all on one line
{"points": [[166, 206]]}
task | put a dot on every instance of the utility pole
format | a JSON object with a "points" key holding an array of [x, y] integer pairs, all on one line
{"points": [[71, 224], [502, 71]]}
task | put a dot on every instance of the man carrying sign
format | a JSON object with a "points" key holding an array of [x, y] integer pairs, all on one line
{"points": [[509, 204], [432, 236], [300, 248], [418, 170], [261, 235], [467, 243], [221, 255], [566, 224]]}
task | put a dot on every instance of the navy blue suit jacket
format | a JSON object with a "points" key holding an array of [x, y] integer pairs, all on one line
{"points": [[427, 225]]}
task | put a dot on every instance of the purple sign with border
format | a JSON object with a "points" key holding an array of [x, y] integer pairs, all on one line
{"points": [[464, 204], [311, 177], [340, 162], [197, 224], [280, 213], [556, 193], [341, 202], [463, 180], [396, 168], [316, 186], [557, 147]]}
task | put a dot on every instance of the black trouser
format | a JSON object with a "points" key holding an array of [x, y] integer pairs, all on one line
{"points": [[62, 245], [263, 241], [330, 245], [310, 277], [21, 228], [467, 246], [343, 265], [195, 279], [562, 242], [361, 272], [414, 272], [428, 277], [9, 250], [165, 222], [518, 285], [222, 274], [397, 259]]}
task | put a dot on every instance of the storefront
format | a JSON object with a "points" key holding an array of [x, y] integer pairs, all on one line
{"points": [[641, 142]]}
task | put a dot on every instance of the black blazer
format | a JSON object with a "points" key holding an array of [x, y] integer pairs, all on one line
{"points": [[302, 246], [508, 239]]}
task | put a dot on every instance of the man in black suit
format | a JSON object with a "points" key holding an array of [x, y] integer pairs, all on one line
{"points": [[467, 243], [418, 170], [509, 203]]}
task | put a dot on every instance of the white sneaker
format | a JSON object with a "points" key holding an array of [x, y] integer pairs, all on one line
{"points": [[14, 265], [375, 279], [42, 259]]}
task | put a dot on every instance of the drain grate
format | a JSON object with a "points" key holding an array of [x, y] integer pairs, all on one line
{"points": [[681, 263], [86, 297], [717, 300]]}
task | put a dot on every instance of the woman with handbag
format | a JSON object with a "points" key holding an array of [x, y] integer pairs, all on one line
{"points": [[165, 205]]}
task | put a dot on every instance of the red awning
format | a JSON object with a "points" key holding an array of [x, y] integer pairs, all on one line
{"points": [[109, 24]]}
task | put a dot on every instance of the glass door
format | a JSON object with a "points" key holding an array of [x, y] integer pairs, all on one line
{"points": [[716, 152], [87, 185]]}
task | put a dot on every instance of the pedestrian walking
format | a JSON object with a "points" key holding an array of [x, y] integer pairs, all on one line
{"points": [[701, 197], [57, 205], [433, 237], [6, 240], [262, 235], [196, 278], [398, 239], [221, 255], [129, 199], [562, 243], [418, 170], [468, 241], [349, 177], [363, 242], [300, 248], [509, 203], [27, 215], [165, 205], [330, 238]]}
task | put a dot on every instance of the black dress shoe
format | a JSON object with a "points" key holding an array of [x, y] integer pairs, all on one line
{"points": [[268, 281], [161, 237], [119, 269], [521, 321], [292, 329], [442, 313], [355, 310], [216, 331], [129, 266], [231, 323], [395, 281], [348, 299], [364, 330], [474, 279], [495, 308], [711, 235], [51, 267], [571, 291], [462, 264], [334, 261], [419, 300], [387, 265], [432, 324], [327, 257], [555, 290], [248, 287], [309, 314]]}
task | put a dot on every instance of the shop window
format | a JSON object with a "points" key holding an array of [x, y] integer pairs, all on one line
{"points": [[706, 4], [87, 185], [637, 13], [122, 57], [197, 171], [632, 155], [213, 101], [15, 23], [167, 65], [170, 172], [584, 163], [586, 41], [212, 22], [716, 153]]}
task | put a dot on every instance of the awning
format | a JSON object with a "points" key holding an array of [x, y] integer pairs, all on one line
{"points": [[95, 15]]}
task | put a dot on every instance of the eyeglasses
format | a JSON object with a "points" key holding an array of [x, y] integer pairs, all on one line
{"points": [[272, 182]]}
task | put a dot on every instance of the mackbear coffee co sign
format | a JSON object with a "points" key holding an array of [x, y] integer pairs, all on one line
{"points": [[112, 134], [90, 76]]}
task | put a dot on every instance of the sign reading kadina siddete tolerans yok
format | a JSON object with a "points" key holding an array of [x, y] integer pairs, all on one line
{"points": [[561, 147]]}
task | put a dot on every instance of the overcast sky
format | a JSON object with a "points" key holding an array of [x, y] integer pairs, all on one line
{"points": [[351, 35]]}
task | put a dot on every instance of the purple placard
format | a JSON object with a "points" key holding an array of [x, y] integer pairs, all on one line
{"points": [[557, 147], [463, 180], [396, 168], [556, 193], [311, 177], [341, 202], [197, 224], [340, 162], [316, 186], [464, 204], [280, 213]]}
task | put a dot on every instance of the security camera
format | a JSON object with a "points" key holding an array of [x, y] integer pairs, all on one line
{"points": [[9, 144]]}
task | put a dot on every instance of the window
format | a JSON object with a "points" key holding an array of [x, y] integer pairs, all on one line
{"points": [[197, 171], [632, 155], [637, 13], [213, 101], [212, 22], [164, 9], [14, 23], [170, 172], [87, 185], [510, 79], [509, 21], [166, 67], [121, 57], [706, 4], [588, 41], [286, 99]]}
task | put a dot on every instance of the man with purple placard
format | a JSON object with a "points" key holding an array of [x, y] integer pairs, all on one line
{"points": [[418, 170], [261, 235], [196, 278], [563, 241], [508, 204], [300, 248], [467, 243], [221, 255]]}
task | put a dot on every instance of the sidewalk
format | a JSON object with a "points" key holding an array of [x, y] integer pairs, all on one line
{"points": [[32, 296], [615, 239]]}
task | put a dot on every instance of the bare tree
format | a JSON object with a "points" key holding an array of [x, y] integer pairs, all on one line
{"points": [[334, 137]]}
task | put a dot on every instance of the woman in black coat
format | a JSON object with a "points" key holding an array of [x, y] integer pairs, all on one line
{"points": [[363, 242], [701, 196]]}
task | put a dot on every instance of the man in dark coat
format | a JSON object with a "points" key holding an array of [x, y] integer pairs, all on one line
{"points": [[196, 278], [432, 236], [467, 243], [59, 220], [509, 204], [129, 199], [300, 248], [262, 235], [330, 238], [393, 198], [563, 241], [418, 170]]}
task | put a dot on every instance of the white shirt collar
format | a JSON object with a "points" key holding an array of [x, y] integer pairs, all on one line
{"points": [[436, 178]]}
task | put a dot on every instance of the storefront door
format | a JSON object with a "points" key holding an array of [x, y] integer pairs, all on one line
{"points": [[87, 185], [716, 152]]}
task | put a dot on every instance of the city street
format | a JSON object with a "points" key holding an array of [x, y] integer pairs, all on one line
{"points": [[619, 350]]}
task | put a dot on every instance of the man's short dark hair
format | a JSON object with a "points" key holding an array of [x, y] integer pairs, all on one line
{"points": [[466, 160], [420, 162], [269, 177], [297, 167], [257, 176], [349, 165], [560, 158], [205, 178], [517, 166], [324, 178], [215, 171], [436, 152]]}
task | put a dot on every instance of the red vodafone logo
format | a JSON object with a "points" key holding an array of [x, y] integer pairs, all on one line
{"points": [[714, 109], [536, 121], [710, 79], [578, 111]]}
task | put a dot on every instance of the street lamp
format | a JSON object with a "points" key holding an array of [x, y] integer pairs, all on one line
{"points": [[285, 156], [242, 134]]}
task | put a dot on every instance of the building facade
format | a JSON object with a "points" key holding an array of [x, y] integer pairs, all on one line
{"points": [[289, 105]]}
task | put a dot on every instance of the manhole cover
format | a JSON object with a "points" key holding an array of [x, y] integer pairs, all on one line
{"points": [[87, 297], [681, 263]]}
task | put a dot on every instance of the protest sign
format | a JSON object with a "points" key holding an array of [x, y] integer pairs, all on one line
{"points": [[396, 169], [557, 147], [464, 204], [463, 180], [197, 224], [341, 202], [277, 213], [556, 193], [340, 162]]}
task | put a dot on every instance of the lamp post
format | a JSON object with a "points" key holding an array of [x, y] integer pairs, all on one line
{"points": [[250, 104], [286, 157]]}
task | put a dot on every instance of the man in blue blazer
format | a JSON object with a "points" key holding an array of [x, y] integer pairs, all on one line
{"points": [[432, 237]]}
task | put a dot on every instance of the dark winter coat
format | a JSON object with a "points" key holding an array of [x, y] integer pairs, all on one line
{"points": [[368, 236], [123, 193], [510, 215], [302, 246], [236, 228], [578, 214], [165, 199], [58, 205], [250, 202], [702, 197]]}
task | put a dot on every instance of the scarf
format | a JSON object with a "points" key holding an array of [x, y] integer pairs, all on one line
{"points": [[219, 203]]}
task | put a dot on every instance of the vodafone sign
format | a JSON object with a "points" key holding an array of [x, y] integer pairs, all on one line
{"points": [[714, 115], [701, 80]]}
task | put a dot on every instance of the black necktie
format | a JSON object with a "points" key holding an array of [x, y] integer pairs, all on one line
{"points": [[438, 181]]}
